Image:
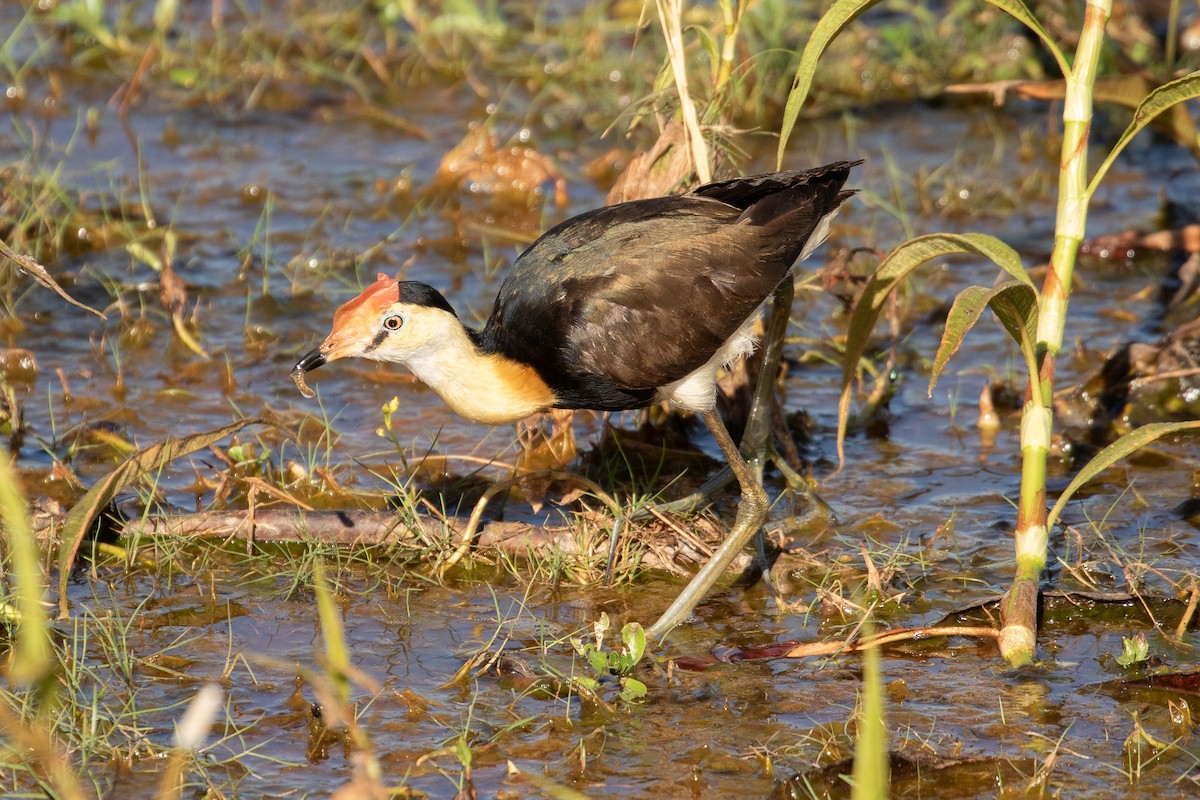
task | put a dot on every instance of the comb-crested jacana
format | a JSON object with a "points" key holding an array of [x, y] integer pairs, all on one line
{"points": [[614, 309]]}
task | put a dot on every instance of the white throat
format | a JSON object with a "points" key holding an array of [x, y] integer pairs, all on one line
{"points": [[479, 387]]}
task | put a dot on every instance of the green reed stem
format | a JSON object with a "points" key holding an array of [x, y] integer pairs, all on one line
{"points": [[1019, 611]]}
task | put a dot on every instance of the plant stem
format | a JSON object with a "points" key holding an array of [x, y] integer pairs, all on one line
{"points": [[670, 14], [1019, 611], [731, 16]]}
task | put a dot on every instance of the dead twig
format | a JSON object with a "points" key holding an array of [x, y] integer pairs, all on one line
{"points": [[851, 645], [35, 270]]}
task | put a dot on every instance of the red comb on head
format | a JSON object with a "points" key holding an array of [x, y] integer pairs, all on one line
{"points": [[383, 292]]}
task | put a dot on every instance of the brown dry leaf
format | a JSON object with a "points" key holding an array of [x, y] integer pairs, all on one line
{"points": [[656, 172], [259, 485], [89, 507], [173, 294], [481, 163], [543, 448], [172, 291], [572, 495], [1183, 285]]}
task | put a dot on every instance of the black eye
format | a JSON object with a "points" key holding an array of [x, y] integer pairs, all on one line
{"points": [[393, 322]]}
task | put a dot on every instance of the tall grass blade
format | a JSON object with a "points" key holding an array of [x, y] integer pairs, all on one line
{"points": [[32, 660], [670, 13], [839, 15], [1126, 445], [871, 771], [337, 653]]}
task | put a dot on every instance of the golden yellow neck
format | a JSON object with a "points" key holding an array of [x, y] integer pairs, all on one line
{"points": [[490, 389], [493, 390]]}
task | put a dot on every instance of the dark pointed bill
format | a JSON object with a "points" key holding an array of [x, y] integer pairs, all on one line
{"points": [[313, 359]]}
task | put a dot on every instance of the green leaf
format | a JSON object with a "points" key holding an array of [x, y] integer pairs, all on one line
{"points": [[1021, 13], [898, 264], [634, 638], [1127, 444], [1134, 650], [632, 690], [1014, 303], [165, 14], [1158, 101], [597, 659], [187, 77], [462, 751], [709, 44], [84, 513], [839, 15]]}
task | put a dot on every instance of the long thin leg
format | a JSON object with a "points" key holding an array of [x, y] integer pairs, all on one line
{"points": [[757, 437], [751, 511], [756, 447]]}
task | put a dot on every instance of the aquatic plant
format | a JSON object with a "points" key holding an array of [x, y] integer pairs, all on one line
{"points": [[1035, 319], [619, 662]]}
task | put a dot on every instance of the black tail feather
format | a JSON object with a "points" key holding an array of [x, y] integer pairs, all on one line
{"points": [[751, 190]]}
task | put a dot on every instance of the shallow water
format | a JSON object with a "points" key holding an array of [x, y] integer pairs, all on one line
{"points": [[264, 202]]}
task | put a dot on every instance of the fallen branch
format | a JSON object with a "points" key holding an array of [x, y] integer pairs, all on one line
{"points": [[386, 528]]}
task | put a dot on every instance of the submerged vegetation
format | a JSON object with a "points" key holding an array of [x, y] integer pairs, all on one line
{"points": [[355, 595]]}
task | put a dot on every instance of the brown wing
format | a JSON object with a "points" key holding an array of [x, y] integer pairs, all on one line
{"points": [[669, 301], [613, 303]]}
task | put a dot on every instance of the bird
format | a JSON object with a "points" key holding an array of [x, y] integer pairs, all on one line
{"points": [[615, 309]]}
